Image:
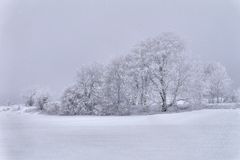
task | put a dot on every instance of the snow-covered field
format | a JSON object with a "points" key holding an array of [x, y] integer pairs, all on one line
{"points": [[198, 135]]}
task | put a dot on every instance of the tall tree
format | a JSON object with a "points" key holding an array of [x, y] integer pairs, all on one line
{"points": [[116, 89], [166, 66]]}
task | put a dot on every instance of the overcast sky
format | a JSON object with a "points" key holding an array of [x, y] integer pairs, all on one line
{"points": [[44, 42]]}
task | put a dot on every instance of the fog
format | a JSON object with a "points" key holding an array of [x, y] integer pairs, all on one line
{"points": [[44, 42]]}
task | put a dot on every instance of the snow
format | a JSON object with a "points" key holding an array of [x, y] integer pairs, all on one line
{"points": [[198, 135]]}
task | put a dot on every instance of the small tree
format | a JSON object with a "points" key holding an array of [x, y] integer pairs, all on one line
{"points": [[38, 97], [30, 97], [42, 100]]}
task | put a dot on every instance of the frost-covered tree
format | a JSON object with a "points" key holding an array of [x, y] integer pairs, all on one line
{"points": [[41, 97], [232, 96], [116, 91], [29, 97], [209, 83], [37, 97], [86, 94], [139, 77], [42, 100], [218, 82], [166, 65], [196, 84], [71, 102]]}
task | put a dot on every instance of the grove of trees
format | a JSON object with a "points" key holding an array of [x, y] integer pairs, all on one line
{"points": [[158, 72]]}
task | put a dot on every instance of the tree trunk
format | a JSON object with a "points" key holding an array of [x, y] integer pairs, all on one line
{"points": [[164, 106], [164, 101], [164, 97]]}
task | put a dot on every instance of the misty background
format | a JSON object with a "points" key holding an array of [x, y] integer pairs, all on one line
{"points": [[44, 42]]}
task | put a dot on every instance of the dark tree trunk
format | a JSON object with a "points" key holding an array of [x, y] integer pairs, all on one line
{"points": [[164, 102], [164, 106]]}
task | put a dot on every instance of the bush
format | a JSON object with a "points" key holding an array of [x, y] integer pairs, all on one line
{"points": [[30, 98], [41, 101], [52, 108]]}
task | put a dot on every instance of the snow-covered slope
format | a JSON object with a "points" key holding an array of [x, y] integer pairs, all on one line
{"points": [[197, 135]]}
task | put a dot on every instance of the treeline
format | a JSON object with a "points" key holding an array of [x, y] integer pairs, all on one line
{"points": [[157, 72]]}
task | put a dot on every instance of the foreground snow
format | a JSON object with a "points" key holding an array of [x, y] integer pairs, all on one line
{"points": [[197, 135]]}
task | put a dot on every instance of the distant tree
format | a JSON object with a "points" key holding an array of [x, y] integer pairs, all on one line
{"points": [[29, 97], [42, 100], [196, 85], [36, 97], [232, 96], [218, 82]]}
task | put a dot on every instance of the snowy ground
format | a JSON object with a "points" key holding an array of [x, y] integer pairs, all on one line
{"points": [[198, 135]]}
